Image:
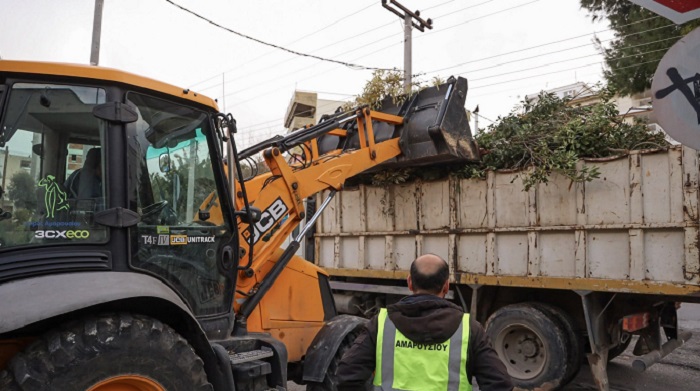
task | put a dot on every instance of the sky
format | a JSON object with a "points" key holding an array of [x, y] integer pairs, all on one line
{"points": [[507, 49]]}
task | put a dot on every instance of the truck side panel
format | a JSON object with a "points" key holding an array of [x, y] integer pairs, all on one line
{"points": [[634, 227]]}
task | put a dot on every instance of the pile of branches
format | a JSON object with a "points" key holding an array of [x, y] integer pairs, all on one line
{"points": [[552, 135], [545, 135]]}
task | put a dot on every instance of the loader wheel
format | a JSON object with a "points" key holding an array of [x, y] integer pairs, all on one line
{"points": [[533, 345], [330, 381], [116, 352]]}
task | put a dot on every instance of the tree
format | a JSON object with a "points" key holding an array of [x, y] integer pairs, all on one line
{"points": [[641, 39], [22, 190]]}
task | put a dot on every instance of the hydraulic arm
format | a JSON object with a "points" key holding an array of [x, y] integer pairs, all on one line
{"points": [[429, 127]]}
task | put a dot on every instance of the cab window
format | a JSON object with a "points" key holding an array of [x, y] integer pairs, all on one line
{"points": [[181, 232], [51, 166]]}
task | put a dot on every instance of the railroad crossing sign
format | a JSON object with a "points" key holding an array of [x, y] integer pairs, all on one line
{"points": [[679, 11]]}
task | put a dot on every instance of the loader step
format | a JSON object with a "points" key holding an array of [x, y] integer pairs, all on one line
{"points": [[252, 355]]}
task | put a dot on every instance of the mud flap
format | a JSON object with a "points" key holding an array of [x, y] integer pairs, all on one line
{"points": [[326, 343]]}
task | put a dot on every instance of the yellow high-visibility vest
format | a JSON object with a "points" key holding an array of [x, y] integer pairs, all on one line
{"points": [[402, 364]]}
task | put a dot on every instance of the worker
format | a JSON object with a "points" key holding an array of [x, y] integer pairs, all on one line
{"points": [[423, 342], [86, 182]]}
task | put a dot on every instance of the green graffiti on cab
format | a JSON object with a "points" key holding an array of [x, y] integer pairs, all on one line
{"points": [[54, 197]]}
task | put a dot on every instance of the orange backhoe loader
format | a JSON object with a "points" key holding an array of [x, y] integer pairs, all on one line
{"points": [[131, 258]]}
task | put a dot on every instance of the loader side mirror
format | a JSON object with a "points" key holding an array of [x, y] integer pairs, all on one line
{"points": [[164, 162]]}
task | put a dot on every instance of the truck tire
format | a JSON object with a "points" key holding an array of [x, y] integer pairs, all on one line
{"points": [[330, 381], [110, 352], [576, 342], [533, 345]]}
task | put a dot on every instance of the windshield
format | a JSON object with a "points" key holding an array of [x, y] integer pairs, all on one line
{"points": [[51, 165], [174, 191]]}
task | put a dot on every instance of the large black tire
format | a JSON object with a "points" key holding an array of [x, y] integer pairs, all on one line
{"points": [[110, 348], [576, 341], [533, 345], [330, 381]]}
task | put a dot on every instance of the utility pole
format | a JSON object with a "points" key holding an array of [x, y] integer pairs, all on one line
{"points": [[408, 19], [96, 32]]}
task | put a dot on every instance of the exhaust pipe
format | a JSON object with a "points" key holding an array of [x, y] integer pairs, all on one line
{"points": [[347, 303], [643, 363]]}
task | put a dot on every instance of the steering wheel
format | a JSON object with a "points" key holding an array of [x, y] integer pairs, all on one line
{"points": [[153, 210]]}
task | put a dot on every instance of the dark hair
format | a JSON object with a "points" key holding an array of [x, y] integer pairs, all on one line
{"points": [[433, 282]]}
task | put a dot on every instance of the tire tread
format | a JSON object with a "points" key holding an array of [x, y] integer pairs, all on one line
{"points": [[74, 344]]}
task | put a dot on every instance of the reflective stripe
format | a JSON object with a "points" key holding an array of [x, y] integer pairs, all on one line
{"points": [[388, 353], [457, 378], [465, 384], [455, 358]]}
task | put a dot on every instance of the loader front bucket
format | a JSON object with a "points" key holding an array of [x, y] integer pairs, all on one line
{"points": [[435, 127]]}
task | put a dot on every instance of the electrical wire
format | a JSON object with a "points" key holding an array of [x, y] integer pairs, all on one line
{"points": [[547, 44], [455, 66], [354, 36], [477, 18], [279, 119], [439, 5], [502, 54], [292, 42], [562, 61], [563, 70], [296, 71], [347, 64], [315, 75], [460, 10]]}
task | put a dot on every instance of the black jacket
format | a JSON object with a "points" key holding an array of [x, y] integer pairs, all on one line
{"points": [[425, 319]]}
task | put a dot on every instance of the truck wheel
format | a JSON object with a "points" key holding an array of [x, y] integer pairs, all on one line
{"points": [[330, 381], [576, 342], [109, 353], [532, 344]]}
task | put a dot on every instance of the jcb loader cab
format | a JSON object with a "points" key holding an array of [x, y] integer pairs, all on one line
{"points": [[121, 231]]}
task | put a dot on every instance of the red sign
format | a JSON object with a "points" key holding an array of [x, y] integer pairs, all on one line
{"points": [[679, 11]]}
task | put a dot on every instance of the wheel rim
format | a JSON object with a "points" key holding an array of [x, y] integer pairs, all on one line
{"points": [[127, 383], [522, 351]]}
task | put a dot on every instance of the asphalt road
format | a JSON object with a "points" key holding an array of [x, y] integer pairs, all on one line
{"points": [[679, 371]]}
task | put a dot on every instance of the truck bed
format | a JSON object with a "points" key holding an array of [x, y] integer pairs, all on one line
{"points": [[634, 229]]}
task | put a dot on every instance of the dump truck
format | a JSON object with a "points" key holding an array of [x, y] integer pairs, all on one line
{"points": [[136, 254], [557, 274]]}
